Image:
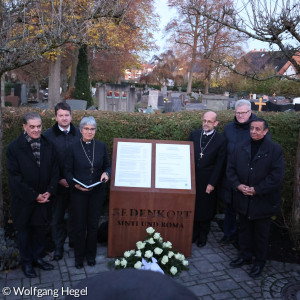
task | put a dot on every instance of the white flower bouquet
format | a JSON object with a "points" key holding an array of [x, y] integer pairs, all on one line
{"points": [[153, 251]]}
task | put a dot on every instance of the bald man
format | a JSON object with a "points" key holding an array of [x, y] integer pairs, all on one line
{"points": [[210, 153]]}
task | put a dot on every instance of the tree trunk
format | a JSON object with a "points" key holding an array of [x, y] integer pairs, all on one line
{"points": [[74, 67], [1, 150], [193, 61], [37, 87], [296, 203], [54, 82], [2, 90]]}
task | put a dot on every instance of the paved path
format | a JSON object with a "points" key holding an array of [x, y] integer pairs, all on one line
{"points": [[209, 276]]}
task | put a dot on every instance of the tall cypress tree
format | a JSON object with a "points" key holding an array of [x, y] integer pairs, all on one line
{"points": [[82, 84]]}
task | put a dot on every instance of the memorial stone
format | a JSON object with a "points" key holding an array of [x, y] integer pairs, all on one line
{"points": [[160, 100], [153, 99], [152, 184], [76, 104], [177, 104]]}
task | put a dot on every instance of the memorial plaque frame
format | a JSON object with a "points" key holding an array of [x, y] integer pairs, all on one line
{"points": [[133, 209]]}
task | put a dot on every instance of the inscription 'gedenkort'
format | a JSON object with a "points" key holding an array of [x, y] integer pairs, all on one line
{"points": [[149, 213]]}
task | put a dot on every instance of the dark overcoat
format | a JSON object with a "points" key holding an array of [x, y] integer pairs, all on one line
{"points": [[27, 180], [77, 165], [264, 172], [208, 170]]}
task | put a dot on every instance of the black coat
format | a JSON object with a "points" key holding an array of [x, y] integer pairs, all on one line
{"points": [[208, 170], [27, 181], [62, 142], [236, 132], [264, 173], [77, 165]]}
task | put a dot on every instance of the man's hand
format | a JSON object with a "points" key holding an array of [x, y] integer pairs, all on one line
{"points": [[246, 190], [209, 188], [64, 183], [42, 198]]}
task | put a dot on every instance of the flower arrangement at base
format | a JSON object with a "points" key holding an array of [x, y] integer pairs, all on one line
{"points": [[153, 254]]}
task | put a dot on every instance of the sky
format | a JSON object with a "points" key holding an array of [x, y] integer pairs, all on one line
{"points": [[166, 13]]}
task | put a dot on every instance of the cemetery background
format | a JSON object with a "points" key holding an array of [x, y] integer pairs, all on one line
{"points": [[173, 126]]}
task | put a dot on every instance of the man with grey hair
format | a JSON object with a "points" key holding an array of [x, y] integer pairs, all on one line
{"points": [[33, 175], [235, 132]]}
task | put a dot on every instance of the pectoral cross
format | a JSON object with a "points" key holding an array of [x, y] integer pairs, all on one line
{"points": [[92, 170], [201, 154]]}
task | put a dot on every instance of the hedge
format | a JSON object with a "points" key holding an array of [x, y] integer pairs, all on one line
{"points": [[284, 129]]}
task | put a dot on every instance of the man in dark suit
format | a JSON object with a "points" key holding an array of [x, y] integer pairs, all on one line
{"points": [[33, 176], [255, 170], [62, 135], [210, 153]]}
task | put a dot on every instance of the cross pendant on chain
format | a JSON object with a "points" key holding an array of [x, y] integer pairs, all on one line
{"points": [[201, 154], [92, 170]]}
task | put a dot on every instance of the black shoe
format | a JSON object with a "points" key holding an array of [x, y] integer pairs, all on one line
{"points": [[255, 271], [58, 254], [43, 265], [226, 240], [91, 263], [29, 271], [240, 262], [200, 244], [78, 265]]}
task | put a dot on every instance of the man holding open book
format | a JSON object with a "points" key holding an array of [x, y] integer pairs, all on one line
{"points": [[87, 168]]}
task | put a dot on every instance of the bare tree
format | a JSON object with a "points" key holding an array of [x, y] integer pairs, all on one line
{"points": [[201, 39], [274, 22], [30, 28]]}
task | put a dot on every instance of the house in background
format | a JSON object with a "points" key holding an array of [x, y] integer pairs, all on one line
{"points": [[275, 62], [135, 74]]}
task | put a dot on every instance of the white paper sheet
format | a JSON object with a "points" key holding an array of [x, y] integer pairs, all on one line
{"points": [[173, 166], [133, 164]]}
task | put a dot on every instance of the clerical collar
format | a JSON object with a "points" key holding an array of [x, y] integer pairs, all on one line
{"points": [[208, 133], [64, 130], [87, 143]]}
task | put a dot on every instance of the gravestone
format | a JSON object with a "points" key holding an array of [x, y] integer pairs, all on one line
{"points": [[164, 91], [116, 97], [160, 100], [23, 93], [168, 107], [177, 104], [195, 106], [153, 99], [77, 104]]}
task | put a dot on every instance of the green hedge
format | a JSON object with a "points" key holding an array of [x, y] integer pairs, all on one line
{"points": [[284, 129]]}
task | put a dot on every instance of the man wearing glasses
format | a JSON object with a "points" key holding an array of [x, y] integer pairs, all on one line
{"points": [[235, 132], [210, 154]]}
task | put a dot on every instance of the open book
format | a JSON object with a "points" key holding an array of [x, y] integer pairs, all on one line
{"points": [[87, 186]]}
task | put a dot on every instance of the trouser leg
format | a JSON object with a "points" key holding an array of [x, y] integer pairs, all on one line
{"points": [[246, 238], [261, 239], [94, 211], [24, 246], [58, 222], [79, 210], [38, 241]]}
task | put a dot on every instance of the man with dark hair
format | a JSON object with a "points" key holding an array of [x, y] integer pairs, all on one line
{"points": [[62, 134], [33, 175], [255, 170]]}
